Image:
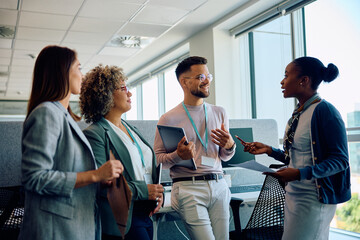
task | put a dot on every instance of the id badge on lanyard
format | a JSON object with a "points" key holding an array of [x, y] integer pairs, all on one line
{"points": [[207, 161], [147, 178]]}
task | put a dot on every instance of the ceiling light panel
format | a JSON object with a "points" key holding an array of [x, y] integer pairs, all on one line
{"points": [[109, 9], [116, 51], [183, 4], [2, 85], [66, 7], [105, 60], [160, 15], [134, 1], [86, 37], [5, 43], [83, 48], [4, 69], [39, 34], [8, 17], [6, 53], [4, 61], [19, 84], [147, 30], [35, 46], [22, 69], [23, 62], [42, 20], [84, 58], [20, 76], [9, 4], [84, 24]]}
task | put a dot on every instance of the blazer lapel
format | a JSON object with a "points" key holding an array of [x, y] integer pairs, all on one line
{"points": [[118, 148]]}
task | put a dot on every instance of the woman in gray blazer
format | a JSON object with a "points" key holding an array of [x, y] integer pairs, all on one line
{"points": [[104, 98], [58, 166]]}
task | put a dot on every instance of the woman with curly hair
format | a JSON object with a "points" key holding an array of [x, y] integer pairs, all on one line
{"points": [[104, 98], [58, 168]]}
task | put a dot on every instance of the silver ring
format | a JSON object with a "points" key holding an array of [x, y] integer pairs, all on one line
{"points": [[157, 199]]}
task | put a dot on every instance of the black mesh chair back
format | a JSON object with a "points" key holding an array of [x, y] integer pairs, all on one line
{"points": [[267, 219], [11, 211]]}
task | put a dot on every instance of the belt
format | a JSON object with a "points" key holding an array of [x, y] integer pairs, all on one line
{"points": [[207, 177]]}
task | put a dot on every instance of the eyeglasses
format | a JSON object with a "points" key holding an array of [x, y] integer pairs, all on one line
{"points": [[202, 77], [124, 89]]}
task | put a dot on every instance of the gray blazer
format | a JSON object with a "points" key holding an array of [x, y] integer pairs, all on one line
{"points": [[54, 149]]}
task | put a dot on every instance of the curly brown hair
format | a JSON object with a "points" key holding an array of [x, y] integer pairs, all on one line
{"points": [[96, 98]]}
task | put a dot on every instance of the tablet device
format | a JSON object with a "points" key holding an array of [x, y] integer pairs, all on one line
{"points": [[171, 136], [158, 174]]}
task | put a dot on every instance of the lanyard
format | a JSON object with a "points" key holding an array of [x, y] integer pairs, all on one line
{"points": [[136, 144], [194, 126]]}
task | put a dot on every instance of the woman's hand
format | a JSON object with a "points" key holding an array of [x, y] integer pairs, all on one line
{"points": [[286, 174], [159, 204], [155, 191], [109, 170], [104, 174], [257, 148]]}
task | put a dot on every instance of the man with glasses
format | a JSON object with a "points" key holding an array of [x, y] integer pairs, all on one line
{"points": [[200, 196]]}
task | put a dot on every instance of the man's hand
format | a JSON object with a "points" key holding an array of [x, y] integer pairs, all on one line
{"points": [[185, 150], [222, 137]]}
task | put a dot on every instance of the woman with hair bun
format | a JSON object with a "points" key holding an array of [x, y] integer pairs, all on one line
{"points": [[315, 152]]}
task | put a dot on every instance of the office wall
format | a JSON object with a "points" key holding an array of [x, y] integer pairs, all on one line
{"points": [[202, 45]]}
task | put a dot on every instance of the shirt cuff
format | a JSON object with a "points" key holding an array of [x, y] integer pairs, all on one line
{"points": [[175, 157]]}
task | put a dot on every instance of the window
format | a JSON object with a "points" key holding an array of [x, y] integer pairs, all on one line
{"points": [[271, 53], [270, 50], [132, 114], [173, 91], [150, 99], [156, 95]]}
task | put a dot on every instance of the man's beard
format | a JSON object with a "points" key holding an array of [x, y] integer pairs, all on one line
{"points": [[200, 94]]}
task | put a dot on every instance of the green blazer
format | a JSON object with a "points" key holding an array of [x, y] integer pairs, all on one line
{"points": [[102, 139]]}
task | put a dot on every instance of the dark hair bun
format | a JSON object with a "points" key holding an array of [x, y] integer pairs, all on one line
{"points": [[330, 73]]}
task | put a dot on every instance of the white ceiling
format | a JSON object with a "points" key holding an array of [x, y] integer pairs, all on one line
{"points": [[88, 26]]}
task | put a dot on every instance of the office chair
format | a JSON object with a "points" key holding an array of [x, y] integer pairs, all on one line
{"points": [[11, 211], [267, 218]]}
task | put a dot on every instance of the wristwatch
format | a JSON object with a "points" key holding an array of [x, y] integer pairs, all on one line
{"points": [[232, 148]]}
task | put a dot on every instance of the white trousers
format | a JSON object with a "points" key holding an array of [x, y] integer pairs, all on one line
{"points": [[204, 208]]}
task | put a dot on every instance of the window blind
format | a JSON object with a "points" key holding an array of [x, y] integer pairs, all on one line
{"points": [[270, 14]]}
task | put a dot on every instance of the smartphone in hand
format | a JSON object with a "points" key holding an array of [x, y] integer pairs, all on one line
{"points": [[242, 141]]}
